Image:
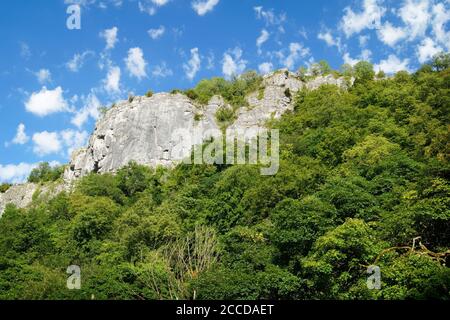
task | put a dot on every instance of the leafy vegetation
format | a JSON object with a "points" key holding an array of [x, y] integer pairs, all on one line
{"points": [[233, 91], [4, 187], [363, 173], [46, 173]]}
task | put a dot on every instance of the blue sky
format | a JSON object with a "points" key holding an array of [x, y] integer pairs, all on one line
{"points": [[53, 79]]}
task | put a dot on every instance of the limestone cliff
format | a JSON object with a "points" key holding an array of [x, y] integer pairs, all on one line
{"points": [[142, 129]]}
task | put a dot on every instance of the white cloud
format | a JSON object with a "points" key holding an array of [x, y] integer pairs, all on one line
{"points": [[233, 64], [112, 81], [73, 140], [390, 35], [369, 18], [136, 63], [45, 102], [110, 36], [415, 14], [349, 60], [204, 6], [156, 33], [265, 67], [329, 39], [25, 51], [364, 56], [363, 40], [90, 109], [150, 6], [160, 3], [392, 65], [441, 18], [16, 173], [43, 76], [296, 52], [193, 65], [78, 60], [162, 71], [427, 49], [21, 136], [262, 39], [46, 143], [269, 16]]}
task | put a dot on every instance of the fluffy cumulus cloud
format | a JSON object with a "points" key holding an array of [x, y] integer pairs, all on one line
{"points": [[62, 142], [161, 71], [329, 39], [202, 7], [16, 173], [193, 65], [112, 81], [368, 18], [265, 67], [78, 60], [21, 136], [440, 20], [110, 36], [416, 15], [90, 109], [269, 17], [390, 35], [46, 143], [427, 49], [150, 6], [136, 64], [262, 39], [156, 33], [392, 65], [233, 64], [73, 140], [43, 76], [296, 52], [46, 102]]}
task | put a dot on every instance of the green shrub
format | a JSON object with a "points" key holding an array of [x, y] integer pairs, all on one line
{"points": [[225, 114], [45, 173], [4, 187], [149, 94], [233, 91]]}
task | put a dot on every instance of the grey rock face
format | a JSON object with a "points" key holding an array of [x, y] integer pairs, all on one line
{"points": [[152, 131], [144, 130], [22, 195]]}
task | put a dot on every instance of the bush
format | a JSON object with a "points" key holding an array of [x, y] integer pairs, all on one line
{"points": [[149, 94], [45, 173], [4, 187], [233, 91], [225, 115]]}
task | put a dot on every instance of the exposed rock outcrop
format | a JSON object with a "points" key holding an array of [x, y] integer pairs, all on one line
{"points": [[144, 130], [22, 195], [153, 130]]}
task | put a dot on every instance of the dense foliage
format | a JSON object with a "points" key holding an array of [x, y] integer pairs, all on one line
{"points": [[46, 173], [363, 172]]}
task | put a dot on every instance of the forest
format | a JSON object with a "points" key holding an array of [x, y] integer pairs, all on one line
{"points": [[363, 181]]}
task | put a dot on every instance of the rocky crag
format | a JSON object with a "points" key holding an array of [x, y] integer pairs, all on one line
{"points": [[142, 129]]}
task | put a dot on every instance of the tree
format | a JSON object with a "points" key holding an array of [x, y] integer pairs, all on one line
{"points": [[441, 61], [45, 173], [364, 71]]}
